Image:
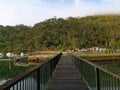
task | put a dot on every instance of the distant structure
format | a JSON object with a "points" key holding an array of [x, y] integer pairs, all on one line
{"points": [[23, 54], [10, 55], [1, 55]]}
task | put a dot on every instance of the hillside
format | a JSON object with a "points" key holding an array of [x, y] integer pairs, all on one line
{"points": [[62, 34]]}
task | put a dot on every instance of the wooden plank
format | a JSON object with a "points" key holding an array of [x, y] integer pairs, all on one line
{"points": [[66, 77]]}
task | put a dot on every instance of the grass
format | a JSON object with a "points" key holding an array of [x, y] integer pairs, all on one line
{"points": [[113, 67], [97, 55]]}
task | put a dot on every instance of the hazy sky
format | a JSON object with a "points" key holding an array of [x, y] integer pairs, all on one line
{"points": [[29, 12]]}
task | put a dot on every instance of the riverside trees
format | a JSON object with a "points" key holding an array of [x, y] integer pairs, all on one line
{"points": [[59, 33]]}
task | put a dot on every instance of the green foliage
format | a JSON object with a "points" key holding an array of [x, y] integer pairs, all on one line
{"points": [[9, 70], [22, 60], [115, 67], [61, 34]]}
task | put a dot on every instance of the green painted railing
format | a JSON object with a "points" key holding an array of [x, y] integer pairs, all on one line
{"points": [[35, 79], [96, 77]]}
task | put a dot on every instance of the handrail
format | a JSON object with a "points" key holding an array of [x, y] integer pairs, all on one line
{"points": [[100, 68], [96, 77], [43, 71]]}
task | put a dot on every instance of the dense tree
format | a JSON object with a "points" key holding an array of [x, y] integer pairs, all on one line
{"points": [[62, 34]]}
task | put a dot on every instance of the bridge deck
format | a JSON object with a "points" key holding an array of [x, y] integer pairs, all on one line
{"points": [[66, 77]]}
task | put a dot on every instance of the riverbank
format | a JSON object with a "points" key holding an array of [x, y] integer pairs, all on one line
{"points": [[100, 58], [10, 69], [110, 62]]}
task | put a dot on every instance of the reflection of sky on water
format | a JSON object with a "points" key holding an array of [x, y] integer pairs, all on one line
{"points": [[28, 84], [9, 70], [2, 81]]}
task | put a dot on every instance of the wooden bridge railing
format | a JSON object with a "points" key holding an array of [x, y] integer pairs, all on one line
{"points": [[35, 79], [96, 77]]}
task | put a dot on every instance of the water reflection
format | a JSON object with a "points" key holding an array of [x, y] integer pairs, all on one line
{"points": [[9, 70], [28, 84], [2, 82], [113, 67], [107, 81]]}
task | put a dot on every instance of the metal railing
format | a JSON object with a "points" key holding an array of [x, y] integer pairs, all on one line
{"points": [[35, 79], [96, 77]]}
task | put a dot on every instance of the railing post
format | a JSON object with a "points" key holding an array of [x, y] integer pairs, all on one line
{"points": [[97, 79], [81, 68], [38, 79], [51, 68]]}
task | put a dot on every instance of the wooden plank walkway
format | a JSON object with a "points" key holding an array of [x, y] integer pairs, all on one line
{"points": [[66, 77]]}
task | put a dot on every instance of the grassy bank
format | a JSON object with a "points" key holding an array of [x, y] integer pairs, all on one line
{"points": [[97, 55]]}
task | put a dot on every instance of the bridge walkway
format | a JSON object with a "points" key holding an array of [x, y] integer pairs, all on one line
{"points": [[66, 77]]}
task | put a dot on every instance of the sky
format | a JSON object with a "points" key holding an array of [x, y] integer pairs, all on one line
{"points": [[29, 12]]}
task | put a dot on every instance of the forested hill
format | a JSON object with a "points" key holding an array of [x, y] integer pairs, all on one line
{"points": [[62, 34]]}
